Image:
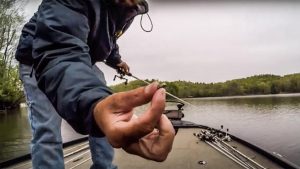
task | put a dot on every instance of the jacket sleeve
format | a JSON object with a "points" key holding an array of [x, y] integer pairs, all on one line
{"points": [[24, 48], [63, 65], [114, 58]]}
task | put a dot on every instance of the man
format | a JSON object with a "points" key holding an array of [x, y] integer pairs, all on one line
{"points": [[67, 38], [46, 144]]}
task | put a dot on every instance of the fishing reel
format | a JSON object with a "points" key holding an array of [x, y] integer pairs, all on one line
{"points": [[205, 135], [211, 134], [175, 114], [121, 75]]}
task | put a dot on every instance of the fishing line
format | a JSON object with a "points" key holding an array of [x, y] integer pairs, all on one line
{"points": [[169, 94], [214, 116], [173, 96]]}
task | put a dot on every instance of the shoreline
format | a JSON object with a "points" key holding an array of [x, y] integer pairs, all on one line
{"points": [[248, 96]]}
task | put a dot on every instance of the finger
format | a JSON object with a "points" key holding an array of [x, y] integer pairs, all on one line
{"points": [[154, 134], [152, 147], [124, 101], [138, 148], [166, 135], [141, 148], [128, 68], [143, 125], [165, 127], [153, 114], [125, 67]]}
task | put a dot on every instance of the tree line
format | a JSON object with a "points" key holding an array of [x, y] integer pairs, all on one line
{"points": [[254, 85], [10, 85]]}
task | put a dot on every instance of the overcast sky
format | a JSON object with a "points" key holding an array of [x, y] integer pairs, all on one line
{"points": [[211, 42]]}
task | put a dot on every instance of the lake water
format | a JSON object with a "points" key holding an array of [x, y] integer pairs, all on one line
{"points": [[271, 122], [15, 134]]}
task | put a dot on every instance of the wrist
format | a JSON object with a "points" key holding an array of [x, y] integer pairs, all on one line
{"points": [[102, 116]]}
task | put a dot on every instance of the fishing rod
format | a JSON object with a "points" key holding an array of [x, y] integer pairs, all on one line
{"points": [[216, 139], [169, 94], [122, 74]]}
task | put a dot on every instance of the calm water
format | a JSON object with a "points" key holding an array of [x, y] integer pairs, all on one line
{"points": [[15, 134], [271, 122]]}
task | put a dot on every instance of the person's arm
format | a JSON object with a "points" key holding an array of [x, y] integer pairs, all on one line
{"points": [[64, 73], [63, 65], [114, 58], [24, 48], [115, 61], [139, 7]]}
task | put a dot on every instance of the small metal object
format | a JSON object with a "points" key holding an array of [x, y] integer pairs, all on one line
{"points": [[118, 34], [121, 76], [227, 137], [202, 162]]}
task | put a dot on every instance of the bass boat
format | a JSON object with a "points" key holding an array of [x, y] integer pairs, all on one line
{"points": [[195, 146]]}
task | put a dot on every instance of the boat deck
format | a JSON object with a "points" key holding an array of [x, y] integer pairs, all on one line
{"points": [[187, 153]]}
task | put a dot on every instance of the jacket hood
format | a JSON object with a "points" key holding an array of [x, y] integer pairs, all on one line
{"points": [[141, 7]]}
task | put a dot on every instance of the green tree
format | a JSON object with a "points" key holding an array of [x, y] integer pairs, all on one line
{"points": [[275, 87], [172, 88], [10, 86]]}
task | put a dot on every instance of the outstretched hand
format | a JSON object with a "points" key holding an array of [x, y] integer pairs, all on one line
{"points": [[150, 135]]}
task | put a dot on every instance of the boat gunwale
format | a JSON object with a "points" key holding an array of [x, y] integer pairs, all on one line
{"points": [[26, 157]]}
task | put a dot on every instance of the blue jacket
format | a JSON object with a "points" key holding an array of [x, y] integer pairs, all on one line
{"points": [[63, 40]]}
